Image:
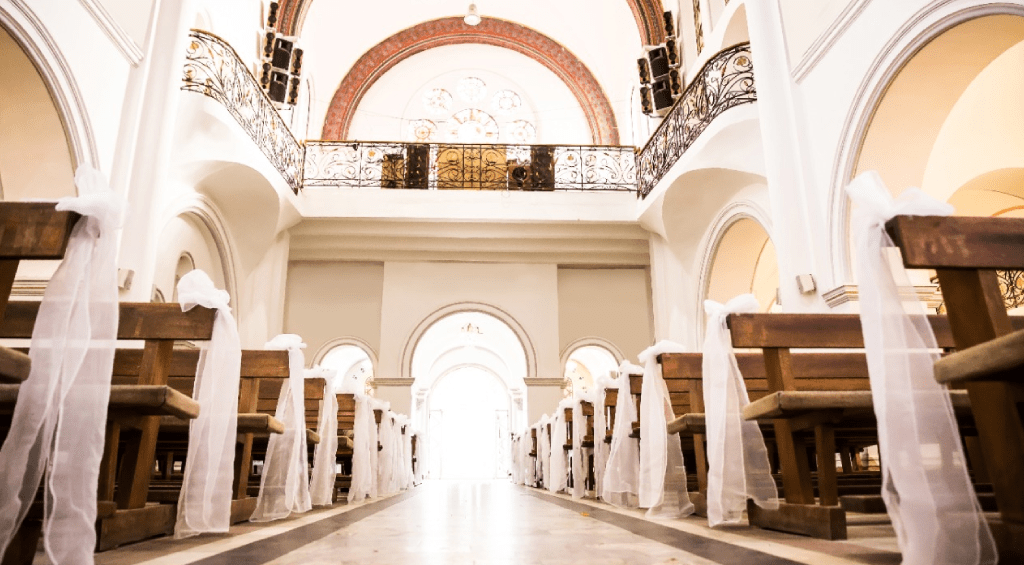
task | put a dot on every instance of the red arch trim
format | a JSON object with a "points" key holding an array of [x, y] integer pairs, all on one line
{"points": [[453, 31]]}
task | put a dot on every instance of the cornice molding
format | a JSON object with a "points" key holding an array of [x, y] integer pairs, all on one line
{"points": [[118, 36], [814, 54]]}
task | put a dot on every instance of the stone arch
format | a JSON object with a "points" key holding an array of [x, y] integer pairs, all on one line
{"points": [[330, 344], [453, 31], [908, 42], [459, 307], [568, 350]]}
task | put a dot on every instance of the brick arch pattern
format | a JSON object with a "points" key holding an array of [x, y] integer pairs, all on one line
{"points": [[647, 13], [453, 31]]}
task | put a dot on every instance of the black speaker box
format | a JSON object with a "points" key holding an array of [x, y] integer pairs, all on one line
{"points": [[661, 92], [542, 167], [659, 62], [417, 165]]}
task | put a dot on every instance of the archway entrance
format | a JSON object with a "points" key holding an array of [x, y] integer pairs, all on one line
{"points": [[468, 393], [468, 419]]}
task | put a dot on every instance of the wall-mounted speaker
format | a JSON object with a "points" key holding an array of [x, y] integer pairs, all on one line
{"points": [[670, 24], [278, 89], [293, 91], [644, 70], [265, 76], [658, 58], [282, 57], [297, 61], [272, 16], [417, 165], [675, 83], [646, 106], [672, 50], [268, 45], [661, 93], [542, 167]]}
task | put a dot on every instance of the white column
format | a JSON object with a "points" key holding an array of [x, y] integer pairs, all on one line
{"points": [[144, 152], [795, 207]]}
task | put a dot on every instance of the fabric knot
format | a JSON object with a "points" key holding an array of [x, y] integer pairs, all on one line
{"points": [[664, 346], [96, 200], [290, 342], [875, 204], [197, 289]]}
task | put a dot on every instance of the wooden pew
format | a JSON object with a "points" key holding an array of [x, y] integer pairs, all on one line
{"points": [[268, 392], [134, 412], [965, 251], [587, 442], [346, 441], [172, 444], [611, 399], [801, 403], [28, 231]]}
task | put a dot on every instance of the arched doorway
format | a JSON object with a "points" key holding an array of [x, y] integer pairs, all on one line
{"points": [[353, 365], [584, 367], [744, 262], [468, 393]]}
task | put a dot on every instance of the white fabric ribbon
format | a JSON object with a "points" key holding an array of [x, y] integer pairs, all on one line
{"points": [[284, 485], [59, 420], [559, 462], [622, 471], [662, 475], [544, 451], [925, 483], [579, 455], [204, 503], [601, 448], [737, 457], [325, 457], [364, 446]]}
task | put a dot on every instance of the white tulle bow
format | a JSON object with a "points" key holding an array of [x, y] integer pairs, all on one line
{"points": [[321, 486], [926, 486], [59, 420], [204, 503], [737, 457], [662, 475]]}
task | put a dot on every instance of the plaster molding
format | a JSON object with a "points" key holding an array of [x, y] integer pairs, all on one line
{"points": [[729, 215], [928, 294], [927, 24], [117, 35], [330, 344], [41, 47], [544, 381], [380, 381], [823, 44]]}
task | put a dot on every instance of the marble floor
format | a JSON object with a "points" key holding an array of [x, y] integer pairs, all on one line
{"points": [[456, 522]]}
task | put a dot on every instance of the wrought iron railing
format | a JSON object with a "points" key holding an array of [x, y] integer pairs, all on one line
{"points": [[469, 167], [213, 68], [1011, 285], [725, 81]]}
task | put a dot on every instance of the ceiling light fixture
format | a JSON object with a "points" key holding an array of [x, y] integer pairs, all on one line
{"points": [[472, 18]]}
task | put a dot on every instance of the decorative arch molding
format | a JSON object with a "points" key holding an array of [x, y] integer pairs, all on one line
{"points": [[647, 13], [927, 24], [201, 208], [453, 31], [18, 19], [509, 387], [330, 344], [730, 214], [459, 307], [567, 352]]}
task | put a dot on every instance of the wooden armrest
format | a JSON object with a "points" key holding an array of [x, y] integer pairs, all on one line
{"points": [[259, 424], [998, 359], [687, 424], [151, 400], [345, 442], [14, 365], [312, 436], [34, 230]]}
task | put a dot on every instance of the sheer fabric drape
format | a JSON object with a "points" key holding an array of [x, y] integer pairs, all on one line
{"points": [[622, 471], [325, 456], [925, 482], [284, 486], [601, 448], [204, 503], [59, 419], [662, 476], [737, 458]]}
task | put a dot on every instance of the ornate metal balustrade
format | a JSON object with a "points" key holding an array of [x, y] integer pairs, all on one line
{"points": [[725, 81], [469, 167], [213, 68]]}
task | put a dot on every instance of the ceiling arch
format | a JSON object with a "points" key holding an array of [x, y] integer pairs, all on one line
{"points": [[647, 13], [453, 31]]}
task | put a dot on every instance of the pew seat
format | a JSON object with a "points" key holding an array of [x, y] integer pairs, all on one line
{"points": [[125, 400], [846, 406], [1000, 359]]}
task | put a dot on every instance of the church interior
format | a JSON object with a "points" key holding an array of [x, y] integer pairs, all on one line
{"points": [[595, 281]]}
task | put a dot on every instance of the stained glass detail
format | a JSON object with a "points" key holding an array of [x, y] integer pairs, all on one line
{"points": [[472, 89], [520, 131], [422, 131], [472, 125], [438, 101], [506, 102]]}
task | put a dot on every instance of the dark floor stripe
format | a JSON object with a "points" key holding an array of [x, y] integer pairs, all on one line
{"points": [[271, 548], [717, 551]]}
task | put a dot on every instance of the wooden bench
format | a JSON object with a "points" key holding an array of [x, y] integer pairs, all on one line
{"points": [[346, 442], [28, 231], [172, 444], [965, 252], [611, 399], [819, 401], [268, 392], [134, 412]]}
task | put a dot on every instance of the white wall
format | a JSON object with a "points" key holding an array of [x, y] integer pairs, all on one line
{"points": [[613, 304]]}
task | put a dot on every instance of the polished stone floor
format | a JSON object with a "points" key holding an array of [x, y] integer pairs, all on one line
{"points": [[456, 522]]}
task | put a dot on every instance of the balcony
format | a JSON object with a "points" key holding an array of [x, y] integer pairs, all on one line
{"points": [[469, 167], [212, 68], [725, 81]]}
